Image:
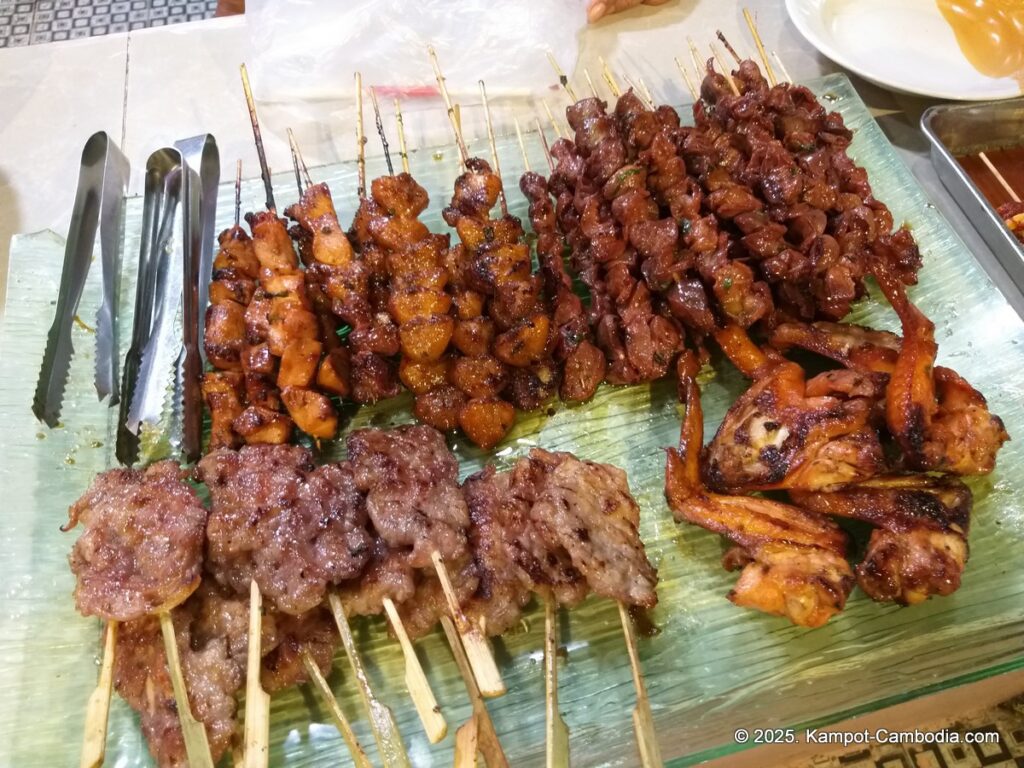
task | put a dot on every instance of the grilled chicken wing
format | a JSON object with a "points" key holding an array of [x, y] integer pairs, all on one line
{"points": [[793, 562], [919, 547], [787, 432]]}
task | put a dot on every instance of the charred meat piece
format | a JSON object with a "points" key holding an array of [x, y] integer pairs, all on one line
{"points": [[142, 548], [919, 545], [277, 518], [410, 480], [793, 562], [211, 633]]}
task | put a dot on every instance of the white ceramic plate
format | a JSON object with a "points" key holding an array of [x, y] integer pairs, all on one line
{"points": [[900, 44]]}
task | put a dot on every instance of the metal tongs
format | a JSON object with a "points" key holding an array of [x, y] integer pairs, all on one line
{"points": [[162, 368], [99, 205]]}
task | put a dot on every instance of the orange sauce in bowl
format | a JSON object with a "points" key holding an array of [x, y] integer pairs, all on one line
{"points": [[990, 33]]}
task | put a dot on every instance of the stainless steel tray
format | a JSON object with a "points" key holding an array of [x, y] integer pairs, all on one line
{"points": [[962, 129]]}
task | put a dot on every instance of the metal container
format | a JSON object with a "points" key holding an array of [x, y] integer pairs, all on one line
{"points": [[966, 129]]}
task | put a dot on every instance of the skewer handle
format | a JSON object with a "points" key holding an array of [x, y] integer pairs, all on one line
{"points": [[643, 719], [557, 736], [359, 757], [752, 24], [382, 722], [257, 701], [422, 696], [197, 747], [94, 742], [479, 733], [478, 650]]}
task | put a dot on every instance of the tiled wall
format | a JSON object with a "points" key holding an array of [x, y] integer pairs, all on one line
{"points": [[45, 21]]}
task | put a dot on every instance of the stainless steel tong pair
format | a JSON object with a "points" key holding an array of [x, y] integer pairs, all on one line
{"points": [[160, 380]]}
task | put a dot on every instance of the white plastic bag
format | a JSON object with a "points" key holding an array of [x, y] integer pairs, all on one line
{"points": [[309, 49]]}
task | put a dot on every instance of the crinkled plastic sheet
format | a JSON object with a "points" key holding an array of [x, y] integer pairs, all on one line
{"points": [[305, 49]]}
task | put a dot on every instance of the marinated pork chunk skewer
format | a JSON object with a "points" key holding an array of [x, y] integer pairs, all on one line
{"points": [[433, 721], [129, 517], [280, 362]]}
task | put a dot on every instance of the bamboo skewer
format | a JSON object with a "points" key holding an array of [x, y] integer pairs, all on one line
{"points": [[478, 734], [640, 94], [360, 138], [456, 127], [403, 152], [494, 148], [609, 78], [725, 71], [686, 77], [197, 747], [562, 79], [721, 36], [646, 91], [257, 701], [382, 722], [547, 149], [522, 144], [593, 90], [556, 737], [769, 73], [782, 67], [698, 65], [643, 719], [94, 742], [478, 650], [434, 724], [238, 192], [551, 117], [999, 177], [359, 757], [257, 136], [381, 132]]}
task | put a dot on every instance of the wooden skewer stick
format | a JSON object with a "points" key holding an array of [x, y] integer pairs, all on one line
{"points": [[782, 67], [479, 733], [360, 138], [94, 743], [380, 130], [238, 192], [562, 79], [544, 142], [646, 91], [434, 724], [698, 65], [448, 105], [382, 722], [556, 732], [643, 719], [257, 701], [609, 78], [359, 757], [494, 146], [478, 650], [294, 147], [721, 36], [760, 46], [725, 71], [551, 118], [258, 137], [197, 746], [402, 151], [593, 90], [522, 144], [999, 177], [686, 76]]}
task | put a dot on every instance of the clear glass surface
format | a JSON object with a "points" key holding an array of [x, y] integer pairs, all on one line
{"points": [[711, 669]]}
